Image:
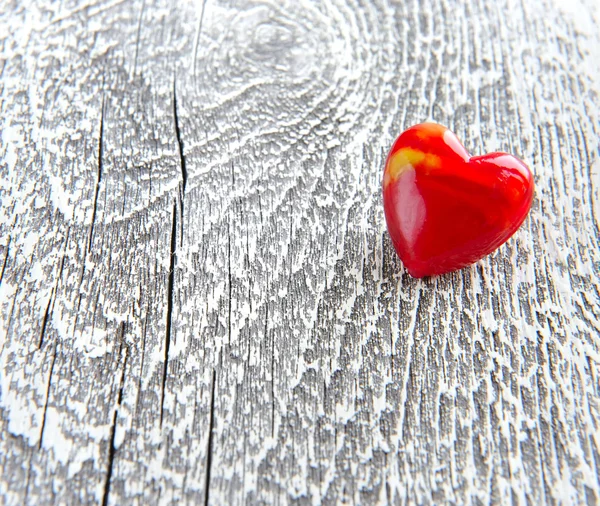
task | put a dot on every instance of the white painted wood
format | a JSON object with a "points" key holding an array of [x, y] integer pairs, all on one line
{"points": [[199, 302]]}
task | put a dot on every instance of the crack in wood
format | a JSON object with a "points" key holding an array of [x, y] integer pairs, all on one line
{"points": [[113, 429], [49, 386], [98, 177], [91, 232], [111, 457], [229, 287], [5, 260], [229, 282], [45, 320], [170, 293], [209, 445], [184, 174]]}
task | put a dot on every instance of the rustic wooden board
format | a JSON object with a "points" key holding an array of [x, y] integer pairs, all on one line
{"points": [[199, 302]]}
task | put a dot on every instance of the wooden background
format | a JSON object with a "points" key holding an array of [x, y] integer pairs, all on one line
{"points": [[199, 302]]}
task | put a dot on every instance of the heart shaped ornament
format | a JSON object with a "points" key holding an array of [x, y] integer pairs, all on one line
{"points": [[446, 209]]}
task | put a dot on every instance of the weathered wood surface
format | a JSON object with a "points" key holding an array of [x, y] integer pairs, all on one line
{"points": [[199, 302]]}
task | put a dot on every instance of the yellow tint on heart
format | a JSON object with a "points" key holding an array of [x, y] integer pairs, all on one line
{"points": [[428, 130], [406, 159]]}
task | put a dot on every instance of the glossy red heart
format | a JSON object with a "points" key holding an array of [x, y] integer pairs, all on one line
{"points": [[446, 209]]}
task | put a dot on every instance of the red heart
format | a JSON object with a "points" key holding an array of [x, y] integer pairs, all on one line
{"points": [[446, 209]]}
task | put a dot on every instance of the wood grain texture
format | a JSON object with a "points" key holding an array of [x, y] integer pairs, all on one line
{"points": [[199, 303]]}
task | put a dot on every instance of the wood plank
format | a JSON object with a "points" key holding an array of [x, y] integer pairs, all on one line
{"points": [[199, 302]]}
